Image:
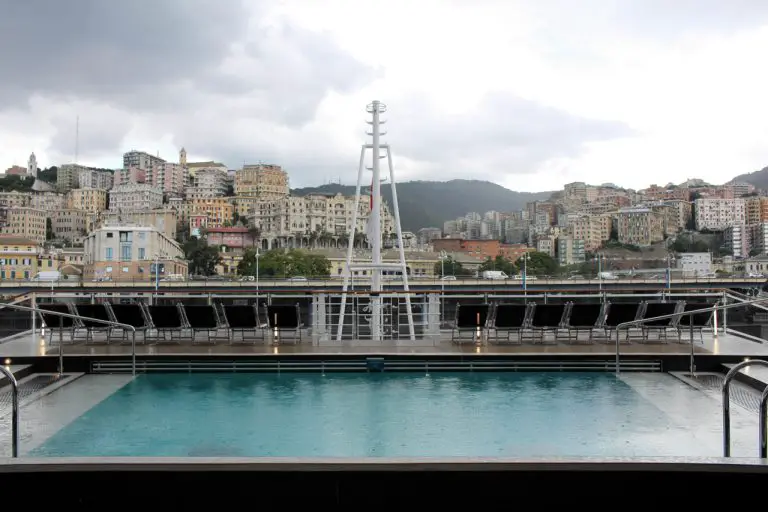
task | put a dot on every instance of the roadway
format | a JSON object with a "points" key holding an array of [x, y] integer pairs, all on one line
{"points": [[334, 285]]}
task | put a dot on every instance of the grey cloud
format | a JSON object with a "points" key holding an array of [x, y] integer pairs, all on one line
{"points": [[104, 49], [295, 66], [505, 134]]}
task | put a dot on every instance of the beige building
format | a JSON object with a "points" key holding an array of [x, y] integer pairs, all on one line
{"points": [[593, 229], [27, 223], [207, 183], [640, 226], [13, 199], [135, 196], [87, 199], [218, 211], [130, 253], [71, 225], [48, 201], [294, 221], [164, 220], [262, 180]]}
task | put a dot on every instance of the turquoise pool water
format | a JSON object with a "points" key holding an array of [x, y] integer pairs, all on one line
{"points": [[372, 415]]}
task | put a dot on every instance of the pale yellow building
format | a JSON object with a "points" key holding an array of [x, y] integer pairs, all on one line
{"points": [[262, 180], [18, 258], [87, 199], [219, 211], [593, 229]]}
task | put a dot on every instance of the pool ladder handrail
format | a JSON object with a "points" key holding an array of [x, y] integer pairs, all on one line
{"points": [[763, 434]]}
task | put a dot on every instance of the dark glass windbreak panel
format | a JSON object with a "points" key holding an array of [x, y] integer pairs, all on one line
{"points": [[14, 322]]}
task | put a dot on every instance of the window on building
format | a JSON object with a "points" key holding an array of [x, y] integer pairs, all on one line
{"points": [[108, 255], [125, 252], [142, 253]]}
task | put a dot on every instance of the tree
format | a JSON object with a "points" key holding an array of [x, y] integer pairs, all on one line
{"points": [[539, 264], [451, 267], [255, 234], [202, 257], [499, 263], [279, 263]]}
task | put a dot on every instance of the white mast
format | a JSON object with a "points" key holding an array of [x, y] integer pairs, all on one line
{"points": [[374, 231]]}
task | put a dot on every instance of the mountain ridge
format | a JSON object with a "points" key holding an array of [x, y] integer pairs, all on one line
{"points": [[426, 204]]}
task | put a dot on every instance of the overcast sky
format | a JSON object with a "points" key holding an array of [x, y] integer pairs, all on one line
{"points": [[531, 94]]}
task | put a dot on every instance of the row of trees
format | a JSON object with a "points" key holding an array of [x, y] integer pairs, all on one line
{"points": [[539, 264], [281, 264]]}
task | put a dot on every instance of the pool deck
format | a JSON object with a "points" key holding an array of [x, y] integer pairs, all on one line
{"points": [[726, 344]]}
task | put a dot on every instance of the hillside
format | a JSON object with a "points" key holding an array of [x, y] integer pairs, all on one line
{"points": [[758, 178], [431, 203]]}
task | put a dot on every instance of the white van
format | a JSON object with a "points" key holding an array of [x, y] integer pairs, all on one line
{"points": [[47, 275]]}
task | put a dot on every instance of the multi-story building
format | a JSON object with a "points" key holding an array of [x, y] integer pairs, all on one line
{"points": [[48, 201], [168, 177], [294, 220], [129, 175], [88, 199], [26, 223], [165, 220], [736, 240], [570, 251], [741, 189], [594, 230], [68, 177], [208, 183], [140, 160], [715, 214], [758, 237], [218, 212], [13, 199], [194, 167], [95, 178], [265, 181], [682, 212], [133, 197], [71, 225], [130, 253], [640, 226], [18, 258]]}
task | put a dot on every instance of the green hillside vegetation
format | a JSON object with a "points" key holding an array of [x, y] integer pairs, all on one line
{"points": [[430, 203]]}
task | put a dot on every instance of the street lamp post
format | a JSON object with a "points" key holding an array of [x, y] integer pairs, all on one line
{"points": [[526, 257], [443, 255], [599, 272], [258, 255], [157, 272]]}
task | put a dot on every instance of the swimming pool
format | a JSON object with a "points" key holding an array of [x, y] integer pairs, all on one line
{"points": [[390, 415]]}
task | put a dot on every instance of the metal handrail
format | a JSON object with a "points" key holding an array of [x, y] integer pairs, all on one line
{"points": [[42, 312], [15, 414], [742, 298], [763, 424], [714, 308], [727, 405]]}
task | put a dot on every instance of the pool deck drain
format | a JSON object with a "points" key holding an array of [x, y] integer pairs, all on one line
{"points": [[741, 394]]}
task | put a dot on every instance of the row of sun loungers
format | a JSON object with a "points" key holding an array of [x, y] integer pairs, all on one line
{"points": [[172, 323], [584, 323]]}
